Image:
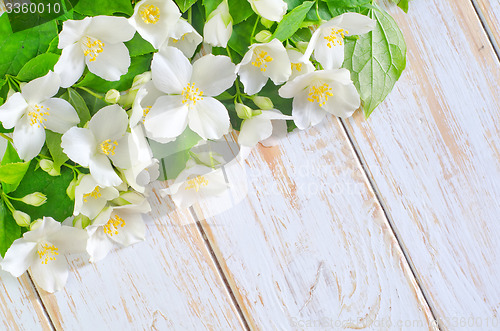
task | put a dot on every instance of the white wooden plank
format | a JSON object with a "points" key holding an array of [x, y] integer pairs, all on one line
{"points": [[20, 306], [308, 245], [490, 14], [167, 282], [433, 151]]}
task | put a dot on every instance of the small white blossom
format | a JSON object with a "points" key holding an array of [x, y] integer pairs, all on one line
{"points": [[260, 127], [219, 26], [185, 38], [272, 10], [91, 198]]}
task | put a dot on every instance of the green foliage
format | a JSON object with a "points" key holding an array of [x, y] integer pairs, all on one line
{"points": [[240, 10], [291, 22], [20, 47], [80, 106], [240, 39], [210, 5], [53, 141], [184, 5], [9, 230], [282, 104], [104, 7], [93, 104], [403, 4], [376, 60], [58, 205], [37, 67], [12, 169], [138, 65], [138, 46], [347, 3]]}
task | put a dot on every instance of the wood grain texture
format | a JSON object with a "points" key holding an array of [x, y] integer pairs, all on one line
{"points": [[490, 11], [167, 282], [20, 306], [308, 245], [433, 151]]}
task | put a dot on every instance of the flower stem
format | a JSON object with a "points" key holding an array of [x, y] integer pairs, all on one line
{"points": [[6, 137], [9, 205], [91, 92], [254, 29]]}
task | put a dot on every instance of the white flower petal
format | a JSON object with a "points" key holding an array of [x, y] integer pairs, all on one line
{"points": [[344, 102], [209, 118], [102, 171], [70, 65], [19, 257], [280, 130], [171, 70], [274, 114], [46, 227], [280, 68], [167, 118], [72, 32], [122, 157], [62, 116], [111, 63], [51, 276], [98, 244], [329, 57], [110, 29], [28, 139], [109, 122], [356, 23], [254, 130], [41, 89], [69, 239], [306, 113], [185, 38], [132, 232], [213, 74], [273, 10], [216, 32], [79, 144], [12, 110], [252, 78]]}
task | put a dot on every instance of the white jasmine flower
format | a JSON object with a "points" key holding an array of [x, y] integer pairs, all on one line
{"points": [[190, 89], [32, 110], [272, 10], [104, 140], [155, 19], [91, 198], [327, 41], [98, 43], [219, 26], [321, 92], [261, 62], [44, 249], [196, 183], [259, 127], [300, 65], [184, 37], [122, 225]]}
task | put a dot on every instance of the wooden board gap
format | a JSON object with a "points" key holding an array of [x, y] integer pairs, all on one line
{"points": [[486, 28]]}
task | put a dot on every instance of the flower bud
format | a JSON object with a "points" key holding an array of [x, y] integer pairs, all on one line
{"points": [[264, 36], [48, 167], [256, 112], [22, 219], [244, 112], [35, 199], [219, 26], [35, 224], [140, 80], [267, 23], [263, 102], [128, 198], [70, 191], [112, 96], [81, 221]]}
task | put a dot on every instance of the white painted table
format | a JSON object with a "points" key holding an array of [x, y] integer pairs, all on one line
{"points": [[386, 223]]}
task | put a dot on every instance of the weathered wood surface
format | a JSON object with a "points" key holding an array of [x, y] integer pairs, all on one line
{"points": [[167, 282], [490, 13], [309, 244], [433, 152], [20, 307]]}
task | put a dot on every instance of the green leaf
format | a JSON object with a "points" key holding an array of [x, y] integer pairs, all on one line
{"points": [[138, 46], [104, 7], [347, 3], [291, 22], [240, 38], [20, 47], [53, 141], [80, 106], [139, 65], [376, 60], [13, 173], [210, 5], [37, 67], [58, 205], [403, 4], [184, 5], [10, 155], [240, 10], [9, 230], [94, 104], [53, 46]]}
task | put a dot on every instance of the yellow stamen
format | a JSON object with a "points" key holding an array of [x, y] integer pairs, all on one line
{"points": [[298, 66], [37, 115], [47, 253], [150, 14], [261, 59], [196, 183], [336, 37], [111, 227], [145, 111], [94, 194], [319, 94], [92, 48], [108, 147], [191, 94]]}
